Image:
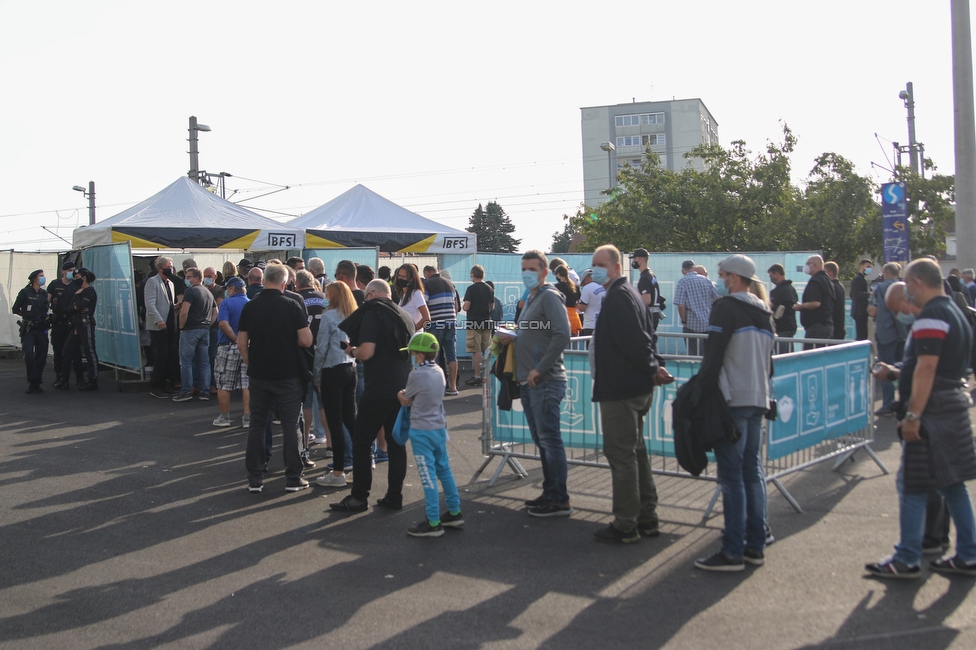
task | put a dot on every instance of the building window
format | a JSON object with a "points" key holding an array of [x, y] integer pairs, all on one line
{"points": [[637, 120], [653, 139], [628, 141]]}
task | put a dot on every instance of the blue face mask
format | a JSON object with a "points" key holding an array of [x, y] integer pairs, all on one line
{"points": [[867, 270], [600, 275], [41, 280], [208, 281], [69, 275], [722, 289], [906, 319], [530, 279]]}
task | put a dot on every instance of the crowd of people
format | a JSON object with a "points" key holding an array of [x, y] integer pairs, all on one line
{"points": [[361, 364]]}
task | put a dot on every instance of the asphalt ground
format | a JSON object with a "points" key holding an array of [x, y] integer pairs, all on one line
{"points": [[125, 522]]}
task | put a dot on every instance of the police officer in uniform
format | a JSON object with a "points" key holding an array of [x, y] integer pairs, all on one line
{"points": [[31, 306], [81, 340], [59, 294]]}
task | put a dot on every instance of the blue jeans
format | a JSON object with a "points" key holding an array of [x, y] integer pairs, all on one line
{"points": [[911, 519], [446, 335], [743, 484], [195, 360], [886, 354], [430, 451], [541, 407]]}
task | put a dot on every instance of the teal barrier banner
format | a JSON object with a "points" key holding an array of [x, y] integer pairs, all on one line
{"points": [[822, 394], [116, 324]]}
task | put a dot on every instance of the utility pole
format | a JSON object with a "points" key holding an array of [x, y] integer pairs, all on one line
{"points": [[908, 95], [90, 195], [965, 133], [194, 173]]}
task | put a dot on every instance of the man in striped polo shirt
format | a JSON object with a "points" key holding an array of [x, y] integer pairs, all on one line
{"points": [[442, 303]]}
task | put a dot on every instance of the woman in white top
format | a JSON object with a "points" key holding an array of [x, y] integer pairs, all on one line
{"points": [[410, 296]]}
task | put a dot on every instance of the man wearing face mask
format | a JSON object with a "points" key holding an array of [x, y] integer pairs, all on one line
{"points": [[161, 323], [543, 335], [889, 333], [81, 340], [626, 367], [647, 285], [817, 308], [31, 305], [859, 300], [59, 293], [937, 449]]}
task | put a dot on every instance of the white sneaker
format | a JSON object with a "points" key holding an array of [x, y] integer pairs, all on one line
{"points": [[331, 480], [317, 441], [246, 420], [222, 421]]}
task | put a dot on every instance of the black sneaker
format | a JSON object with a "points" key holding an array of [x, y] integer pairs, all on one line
{"points": [[424, 529], [34, 388], [182, 397], [390, 503], [541, 501], [294, 485], [60, 385], [452, 521], [954, 565], [550, 509], [648, 530], [720, 562], [892, 568], [204, 396], [753, 556], [308, 462], [254, 486], [614, 535], [91, 384]]}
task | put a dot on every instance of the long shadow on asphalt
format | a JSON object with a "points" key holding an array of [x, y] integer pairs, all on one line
{"points": [[152, 480]]}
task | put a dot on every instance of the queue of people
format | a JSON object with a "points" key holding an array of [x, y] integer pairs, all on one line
{"points": [[361, 350]]}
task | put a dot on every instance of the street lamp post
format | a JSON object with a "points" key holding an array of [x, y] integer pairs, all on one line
{"points": [[194, 172], [90, 194], [609, 148], [908, 96], [965, 132]]}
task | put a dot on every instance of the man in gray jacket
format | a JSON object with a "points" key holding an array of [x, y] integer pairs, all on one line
{"points": [[543, 335]]}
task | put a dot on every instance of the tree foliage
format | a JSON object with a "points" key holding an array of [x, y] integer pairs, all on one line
{"points": [[494, 229], [566, 241], [930, 209], [741, 202]]}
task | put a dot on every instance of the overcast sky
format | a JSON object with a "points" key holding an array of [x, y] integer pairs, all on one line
{"points": [[436, 106]]}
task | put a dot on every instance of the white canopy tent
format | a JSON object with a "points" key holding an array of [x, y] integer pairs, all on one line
{"points": [[186, 216], [361, 218]]}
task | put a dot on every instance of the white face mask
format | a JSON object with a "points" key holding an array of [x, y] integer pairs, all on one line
{"points": [[806, 269]]}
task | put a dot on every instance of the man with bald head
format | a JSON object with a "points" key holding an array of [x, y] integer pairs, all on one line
{"points": [[817, 308], [255, 278], [889, 333], [377, 331]]}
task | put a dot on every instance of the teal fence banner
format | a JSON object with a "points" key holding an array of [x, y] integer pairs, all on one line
{"points": [[822, 394], [116, 319]]}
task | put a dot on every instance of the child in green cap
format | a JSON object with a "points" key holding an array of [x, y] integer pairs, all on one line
{"points": [[428, 436]]}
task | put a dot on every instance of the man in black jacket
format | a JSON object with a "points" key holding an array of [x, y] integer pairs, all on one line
{"points": [[840, 301], [783, 295], [859, 300], [378, 331], [817, 308], [626, 367]]}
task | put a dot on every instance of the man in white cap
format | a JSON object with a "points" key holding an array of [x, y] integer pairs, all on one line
{"points": [[737, 361]]}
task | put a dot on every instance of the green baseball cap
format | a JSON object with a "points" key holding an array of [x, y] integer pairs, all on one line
{"points": [[421, 342]]}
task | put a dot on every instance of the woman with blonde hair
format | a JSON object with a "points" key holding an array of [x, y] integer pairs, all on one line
{"points": [[758, 289], [228, 271], [335, 377]]}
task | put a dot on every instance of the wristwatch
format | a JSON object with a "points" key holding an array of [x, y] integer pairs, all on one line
{"points": [[911, 417]]}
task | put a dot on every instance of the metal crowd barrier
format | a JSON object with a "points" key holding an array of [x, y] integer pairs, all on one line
{"points": [[781, 455]]}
